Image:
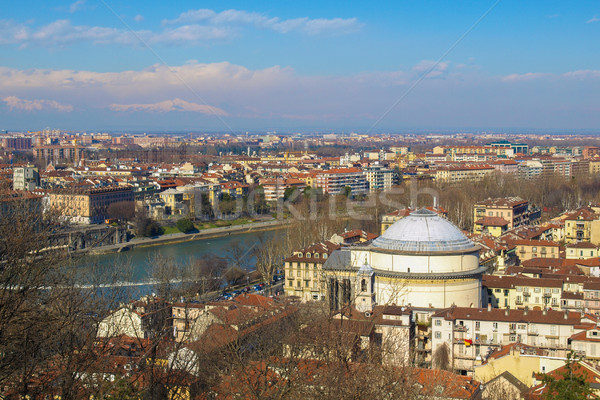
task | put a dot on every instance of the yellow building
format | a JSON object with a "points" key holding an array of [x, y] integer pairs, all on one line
{"points": [[462, 173], [88, 205], [511, 291], [519, 360], [594, 167], [173, 200], [582, 225], [528, 249], [581, 251], [304, 273], [494, 226]]}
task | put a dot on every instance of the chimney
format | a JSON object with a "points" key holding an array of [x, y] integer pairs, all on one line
{"points": [[489, 306], [526, 310], [507, 311], [566, 314], [544, 312]]}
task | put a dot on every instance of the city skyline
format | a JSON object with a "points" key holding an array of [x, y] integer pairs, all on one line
{"points": [[496, 65]]}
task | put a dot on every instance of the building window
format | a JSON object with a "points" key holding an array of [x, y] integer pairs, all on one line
{"points": [[477, 325], [363, 285], [438, 322], [438, 335], [324, 255]]}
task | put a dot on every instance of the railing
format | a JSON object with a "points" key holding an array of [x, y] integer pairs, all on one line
{"points": [[460, 328]]}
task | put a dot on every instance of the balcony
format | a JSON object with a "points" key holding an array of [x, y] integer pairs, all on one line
{"points": [[547, 294], [460, 328], [519, 301]]}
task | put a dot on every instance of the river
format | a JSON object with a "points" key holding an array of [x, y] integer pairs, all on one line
{"points": [[134, 268]]}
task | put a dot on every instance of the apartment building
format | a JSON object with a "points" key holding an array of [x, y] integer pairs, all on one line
{"points": [[26, 178], [462, 173], [304, 274], [274, 188], [581, 251], [88, 205], [473, 333], [513, 291], [334, 181], [58, 153], [513, 209], [379, 177], [582, 225], [528, 249]]}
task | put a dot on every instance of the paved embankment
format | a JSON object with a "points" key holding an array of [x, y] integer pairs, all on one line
{"points": [[184, 237]]}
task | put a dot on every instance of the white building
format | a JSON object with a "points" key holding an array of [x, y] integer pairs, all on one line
{"points": [[473, 333], [26, 178], [422, 260]]}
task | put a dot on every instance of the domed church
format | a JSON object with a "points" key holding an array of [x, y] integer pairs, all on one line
{"points": [[422, 260]]}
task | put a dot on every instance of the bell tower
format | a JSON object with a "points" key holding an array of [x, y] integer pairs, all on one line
{"points": [[365, 298]]}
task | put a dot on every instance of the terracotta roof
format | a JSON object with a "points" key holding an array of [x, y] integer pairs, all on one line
{"points": [[571, 296], [496, 314], [503, 202], [492, 221], [511, 281], [527, 242], [581, 245]]}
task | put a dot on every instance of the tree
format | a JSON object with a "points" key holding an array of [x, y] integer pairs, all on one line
{"points": [[234, 275], [269, 254], [347, 191], [290, 193], [569, 384], [441, 357], [47, 318], [185, 225], [121, 210]]}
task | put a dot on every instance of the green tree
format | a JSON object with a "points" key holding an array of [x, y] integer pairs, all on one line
{"points": [[185, 225], [569, 385], [347, 191], [289, 193]]}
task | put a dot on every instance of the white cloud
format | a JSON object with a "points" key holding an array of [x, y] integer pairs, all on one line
{"points": [[432, 68], [529, 76], [236, 18], [196, 26], [595, 18], [525, 77], [15, 103], [463, 98], [76, 6], [168, 106]]}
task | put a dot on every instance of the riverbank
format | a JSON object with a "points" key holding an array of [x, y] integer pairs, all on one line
{"points": [[186, 237]]}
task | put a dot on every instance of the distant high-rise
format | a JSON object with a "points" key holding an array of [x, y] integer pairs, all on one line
{"points": [[26, 178]]}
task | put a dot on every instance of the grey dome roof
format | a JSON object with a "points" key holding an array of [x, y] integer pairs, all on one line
{"points": [[423, 231]]}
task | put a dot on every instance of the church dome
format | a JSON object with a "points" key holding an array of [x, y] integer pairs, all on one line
{"points": [[424, 231]]}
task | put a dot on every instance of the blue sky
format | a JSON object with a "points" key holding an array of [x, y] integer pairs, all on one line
{"points": [[300, 66]]}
